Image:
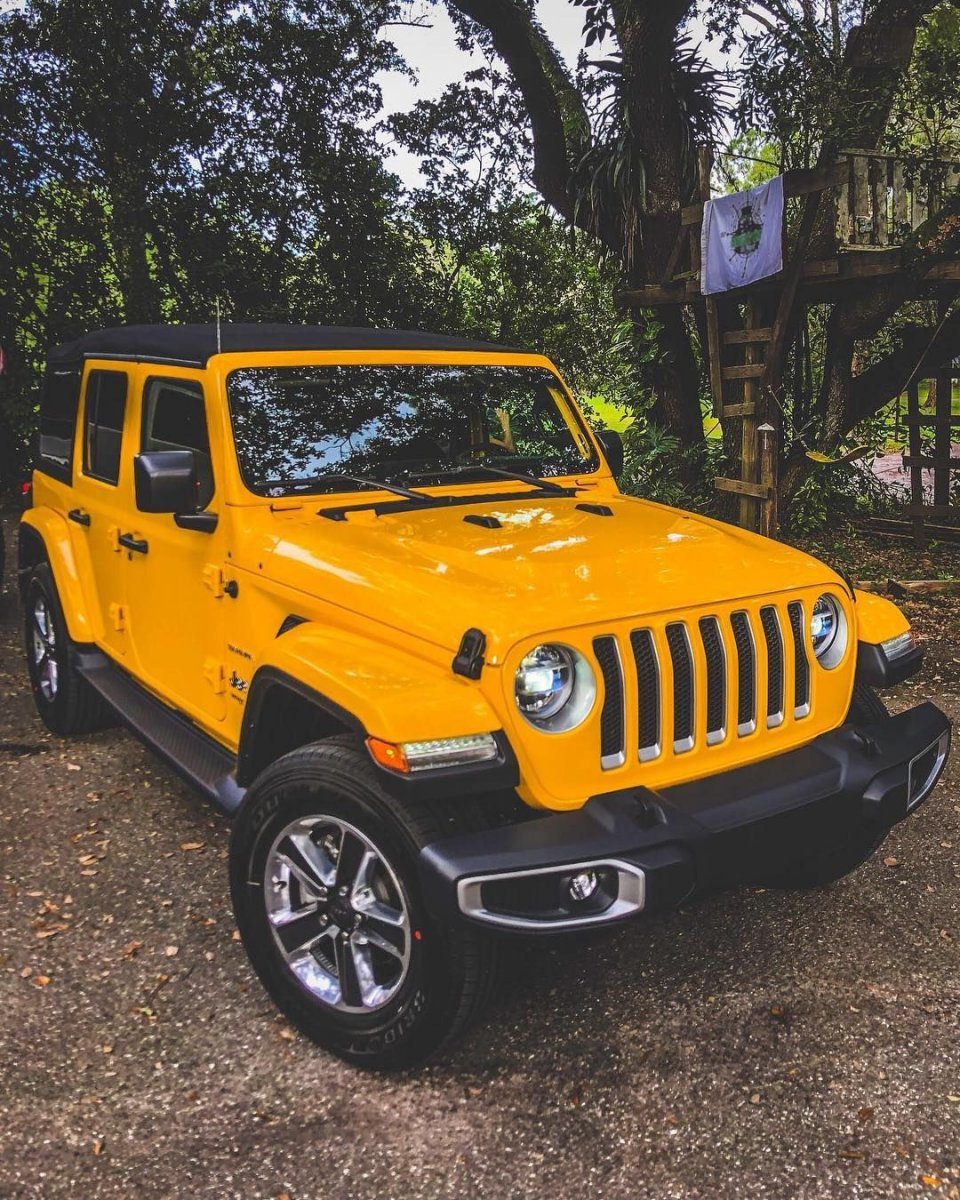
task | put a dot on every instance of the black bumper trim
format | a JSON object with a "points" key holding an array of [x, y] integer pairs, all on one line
{"points": [[743, 826], [876, 670]]}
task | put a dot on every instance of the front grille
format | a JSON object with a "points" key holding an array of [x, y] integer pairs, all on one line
{"points": [[611, 715], [736, 664]]}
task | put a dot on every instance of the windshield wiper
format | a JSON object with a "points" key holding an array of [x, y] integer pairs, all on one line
{"points": [[363, 481], [543, 485]]}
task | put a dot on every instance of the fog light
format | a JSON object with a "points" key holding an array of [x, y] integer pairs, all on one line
{"points": [[583, 885]]}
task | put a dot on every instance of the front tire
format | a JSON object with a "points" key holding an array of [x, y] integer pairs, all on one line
{"points": [[323, 869], [67, 704]]}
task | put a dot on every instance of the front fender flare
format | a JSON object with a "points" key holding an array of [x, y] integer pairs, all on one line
{"points": [[370, 688]]}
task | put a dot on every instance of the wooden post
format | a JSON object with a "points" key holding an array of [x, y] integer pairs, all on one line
{"points": [[916, 466], [769, 455]]}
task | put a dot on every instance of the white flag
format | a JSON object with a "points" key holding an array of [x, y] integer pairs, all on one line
{"points": [[742, 238]]}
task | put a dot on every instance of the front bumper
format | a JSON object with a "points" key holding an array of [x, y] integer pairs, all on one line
{"points": [[652, 850]]}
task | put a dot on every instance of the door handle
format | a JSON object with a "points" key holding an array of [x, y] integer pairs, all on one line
{"points": [[140, 545], [81, 517]]}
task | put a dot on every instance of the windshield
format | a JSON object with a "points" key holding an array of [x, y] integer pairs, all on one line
{"points": [[305, 428]]}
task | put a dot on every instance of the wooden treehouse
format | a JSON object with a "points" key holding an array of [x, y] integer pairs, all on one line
{"points": [[855, 217]]}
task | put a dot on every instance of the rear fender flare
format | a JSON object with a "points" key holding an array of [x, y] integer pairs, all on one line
{"points": [[50, 530]]}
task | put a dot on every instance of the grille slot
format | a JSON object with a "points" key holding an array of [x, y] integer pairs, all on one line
{"points": [[801, 664], [648, 690], [746, 673], [612, 718], [770, 620], [715, 654], [681, 658]]}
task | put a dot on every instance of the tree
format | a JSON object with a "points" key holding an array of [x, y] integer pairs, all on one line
{"points": [[612, 146]]}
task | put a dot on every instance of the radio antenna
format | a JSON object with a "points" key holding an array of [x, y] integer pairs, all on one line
{"points": [[218, 324]]}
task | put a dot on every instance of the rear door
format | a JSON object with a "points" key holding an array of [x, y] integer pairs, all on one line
{"points": [[102, 499]]}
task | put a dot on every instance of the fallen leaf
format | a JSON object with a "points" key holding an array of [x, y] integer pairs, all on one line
{"points": [[235, 936], [98, 1146], [853, 1154], [89, 871], [931, 1181], [890, 861], [88, 859], [755, 1098], [191, 845], [73, 766], [954, 1099], [172, 951], [26, 972], [287, 1034], [865, 1114], [41, 980], [131, 948]]}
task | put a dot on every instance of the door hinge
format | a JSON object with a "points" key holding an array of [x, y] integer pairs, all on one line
{"points": [[215, 673], [118, 617], [219, 587], [213, 579]]}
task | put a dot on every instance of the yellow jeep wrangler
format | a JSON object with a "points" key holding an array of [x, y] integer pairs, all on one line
{"points": [[377, 595]]}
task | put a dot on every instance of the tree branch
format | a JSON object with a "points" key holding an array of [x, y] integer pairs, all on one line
{"points": [[558, 119], [885, 380]]}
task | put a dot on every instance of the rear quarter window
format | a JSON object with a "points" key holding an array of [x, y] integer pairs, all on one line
{"points": [[59, 402]]}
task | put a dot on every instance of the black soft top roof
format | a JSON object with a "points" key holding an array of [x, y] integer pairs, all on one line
{"points": [[193, 345]]}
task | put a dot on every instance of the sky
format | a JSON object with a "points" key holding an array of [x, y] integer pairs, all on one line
{"points": [[433, 53]]}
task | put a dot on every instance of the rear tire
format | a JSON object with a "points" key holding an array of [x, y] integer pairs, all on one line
{"points": [[67, 704], [314, 923]]}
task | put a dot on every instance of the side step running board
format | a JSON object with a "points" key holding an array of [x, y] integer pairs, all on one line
{"points": [[204, 764]]}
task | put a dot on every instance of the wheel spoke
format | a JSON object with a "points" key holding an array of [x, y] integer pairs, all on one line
{"points": [[310, 864], [297, 930], [352, 853], [394, 948], [351, 989]]}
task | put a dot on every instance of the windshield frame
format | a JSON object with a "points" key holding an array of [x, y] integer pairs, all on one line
{"points": [[569, 410]]}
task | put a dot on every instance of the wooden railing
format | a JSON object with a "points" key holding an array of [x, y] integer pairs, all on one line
{"points": [[885, 197]]}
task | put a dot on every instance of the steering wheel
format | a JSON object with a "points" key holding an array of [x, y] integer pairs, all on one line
{"points": [[490, 447]]}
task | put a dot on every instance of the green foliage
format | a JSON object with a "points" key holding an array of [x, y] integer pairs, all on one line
{"points": [[656, 467]]}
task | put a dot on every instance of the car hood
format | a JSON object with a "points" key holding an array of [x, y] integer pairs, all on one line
{"points": [[542, 564]]}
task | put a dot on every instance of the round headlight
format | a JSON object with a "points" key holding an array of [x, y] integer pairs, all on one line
{"points": [[554, 687], [828, 631]]}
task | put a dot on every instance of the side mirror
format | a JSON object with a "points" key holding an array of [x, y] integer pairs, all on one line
{"points": [[165, 481], [612, 444]]}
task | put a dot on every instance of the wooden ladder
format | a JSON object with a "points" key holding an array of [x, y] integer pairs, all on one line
{"points": [[736, 393]]}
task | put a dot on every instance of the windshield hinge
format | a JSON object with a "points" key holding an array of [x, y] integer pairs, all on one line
{"points": [[469, 658]]}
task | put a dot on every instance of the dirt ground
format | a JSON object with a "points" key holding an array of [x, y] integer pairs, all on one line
{"points": [[756, 1044]]}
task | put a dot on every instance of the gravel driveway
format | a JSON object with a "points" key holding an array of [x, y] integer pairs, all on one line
{"points": [[754, 1044]]}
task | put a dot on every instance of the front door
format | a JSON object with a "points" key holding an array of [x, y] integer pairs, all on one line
{"points": [[103, 494], [174, 584]]}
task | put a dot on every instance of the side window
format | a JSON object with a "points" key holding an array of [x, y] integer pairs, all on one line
{"points": [[103, 416], [59, 403], [174, 418]]}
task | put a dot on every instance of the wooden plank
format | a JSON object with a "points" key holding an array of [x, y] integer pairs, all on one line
{"points": [[768, 478], [715, 360], [943, 533], [932, 510], [860, 201], [901, 218], [924, 420], [821, 267], [795, 183], [942, 439], [674, 260], [734, 337], [924, 461], [947, 270], [878, 201], [916, 451], [757, 491], [747, 409], [744, 371]]}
